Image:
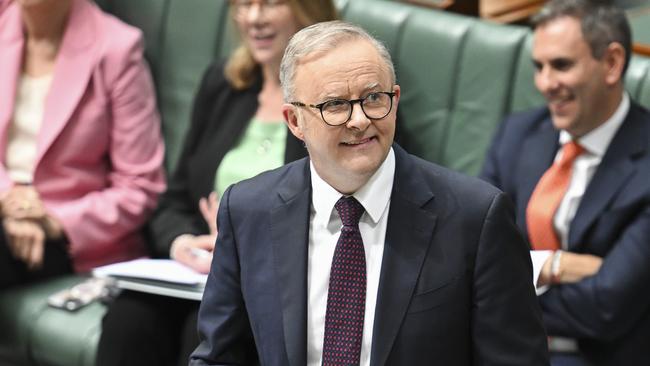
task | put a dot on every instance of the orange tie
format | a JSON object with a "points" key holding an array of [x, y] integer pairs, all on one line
{"points": [[546, 199]]}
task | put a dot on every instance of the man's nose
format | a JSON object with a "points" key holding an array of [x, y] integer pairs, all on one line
{"points": [[546, 80], [358, 119]]}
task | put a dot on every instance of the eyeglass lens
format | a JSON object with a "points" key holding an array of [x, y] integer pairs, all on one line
{"points": [[339, 111]]}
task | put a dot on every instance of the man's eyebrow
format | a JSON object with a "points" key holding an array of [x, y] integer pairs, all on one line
{"points": [[329, 96], [336, 95], [372, 85]]}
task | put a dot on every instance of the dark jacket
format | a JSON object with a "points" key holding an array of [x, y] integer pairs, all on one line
{"points": [[219, 119], [454, 288], [609, 313]]}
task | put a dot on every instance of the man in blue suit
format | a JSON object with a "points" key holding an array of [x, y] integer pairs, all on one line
{"points": [[593, 277], [362, 254]]}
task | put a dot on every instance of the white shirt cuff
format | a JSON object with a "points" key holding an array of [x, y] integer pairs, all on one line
{"points": [[539, 257]]}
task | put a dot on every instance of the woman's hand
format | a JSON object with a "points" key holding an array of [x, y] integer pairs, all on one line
{"points": [[22, 202], [26, 241], [194, 251], [209, 208]]}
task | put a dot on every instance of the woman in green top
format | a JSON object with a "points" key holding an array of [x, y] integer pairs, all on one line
{"points": [[237, 132]]}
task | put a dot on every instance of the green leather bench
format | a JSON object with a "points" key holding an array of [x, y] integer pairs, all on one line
{"points": [[459, 77]]}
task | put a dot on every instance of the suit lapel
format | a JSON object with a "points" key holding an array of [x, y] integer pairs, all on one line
{"points": [[614, 170], [11, 57], [74, 65], [539, 150], [408, 236], [290, 237]]}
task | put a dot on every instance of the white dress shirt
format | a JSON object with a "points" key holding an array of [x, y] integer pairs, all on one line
{"points": [[324, 231], [595, 144]]}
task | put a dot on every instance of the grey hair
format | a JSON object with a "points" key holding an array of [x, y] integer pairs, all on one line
{"points": [[323, 37], [601, 23]]}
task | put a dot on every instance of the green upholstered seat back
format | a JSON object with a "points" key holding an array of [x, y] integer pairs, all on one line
{"points": [[182, 38], [193, 38], [637, 80], [459, 77], [149, 16]]}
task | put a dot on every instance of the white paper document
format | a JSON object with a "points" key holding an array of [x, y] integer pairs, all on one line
{"points": [[166, 270], [157, 276]]}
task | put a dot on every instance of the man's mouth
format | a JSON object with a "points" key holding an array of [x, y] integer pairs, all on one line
{"points": [[558, 104], [358, 142]]}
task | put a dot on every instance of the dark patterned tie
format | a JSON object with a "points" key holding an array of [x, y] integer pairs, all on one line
{"points": [[346, 297]]}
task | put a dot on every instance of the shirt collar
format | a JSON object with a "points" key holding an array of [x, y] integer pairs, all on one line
{"points": [[374, 196], [597, 140]]}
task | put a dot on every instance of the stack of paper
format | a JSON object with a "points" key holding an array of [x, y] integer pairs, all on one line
{"points": [[157, 276]]}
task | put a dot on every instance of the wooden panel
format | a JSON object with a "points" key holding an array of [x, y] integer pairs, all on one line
{"points": [[509, 11], [467, 7], [639, 17], [641, 49]]}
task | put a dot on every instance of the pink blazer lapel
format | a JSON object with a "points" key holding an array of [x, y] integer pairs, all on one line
{"points": [[74, 66], [11, 57]]}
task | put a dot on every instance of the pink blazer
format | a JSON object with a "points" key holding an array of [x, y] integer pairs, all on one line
{"points": [[100, 152]]}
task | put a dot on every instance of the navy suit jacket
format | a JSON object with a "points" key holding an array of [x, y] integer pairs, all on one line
{"points": [[608, 313], [455, 285]]}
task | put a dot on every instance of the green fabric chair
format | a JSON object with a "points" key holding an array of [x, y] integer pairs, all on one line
{"points": [[459, 77]]}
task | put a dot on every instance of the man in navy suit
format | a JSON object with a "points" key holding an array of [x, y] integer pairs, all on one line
{"points": [[432, 270], [593, 287]]}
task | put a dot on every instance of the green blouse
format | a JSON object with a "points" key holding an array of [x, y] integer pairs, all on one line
{"points": [[261, 148]]}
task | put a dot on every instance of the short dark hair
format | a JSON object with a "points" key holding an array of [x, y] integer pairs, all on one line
{"points": [[601, 22]]}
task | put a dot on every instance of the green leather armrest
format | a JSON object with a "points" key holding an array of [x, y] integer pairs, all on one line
{"points": [[34, 333]]}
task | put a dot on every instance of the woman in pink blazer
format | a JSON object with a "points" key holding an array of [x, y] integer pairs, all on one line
{"points": [[80, 145]]}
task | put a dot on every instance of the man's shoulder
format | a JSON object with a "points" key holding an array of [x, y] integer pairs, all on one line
{"points": [[292, 177], [510, 140], [445, 182], [639, 113], [524, 122]]}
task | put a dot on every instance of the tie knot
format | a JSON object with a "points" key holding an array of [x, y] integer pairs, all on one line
{"points": [[571, 150], [350, 210]]}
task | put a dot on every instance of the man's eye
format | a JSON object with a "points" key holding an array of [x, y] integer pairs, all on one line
{"points": [[335, 105], [373, 97], [562, 65]]}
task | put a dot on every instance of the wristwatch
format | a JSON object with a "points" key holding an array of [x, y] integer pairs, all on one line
{"points": [[556, 271]]}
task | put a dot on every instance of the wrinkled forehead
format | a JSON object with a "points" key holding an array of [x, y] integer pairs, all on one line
{"points": [[352, 67]]}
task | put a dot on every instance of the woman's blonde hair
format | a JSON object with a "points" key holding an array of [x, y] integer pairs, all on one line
{"points": [[241, 67]]}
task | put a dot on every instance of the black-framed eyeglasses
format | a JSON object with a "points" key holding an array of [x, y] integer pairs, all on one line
{"points": [[336, 112]]}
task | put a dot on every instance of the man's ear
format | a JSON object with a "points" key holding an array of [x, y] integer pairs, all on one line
{"points": [[398, 93], [291, 117], [614, 59]]}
